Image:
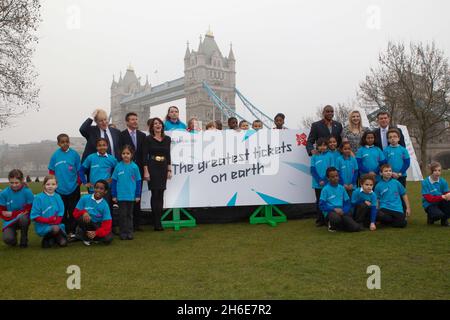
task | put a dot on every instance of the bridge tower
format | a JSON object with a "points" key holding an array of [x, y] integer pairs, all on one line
{"points": [[127, 86], [208, 64]]}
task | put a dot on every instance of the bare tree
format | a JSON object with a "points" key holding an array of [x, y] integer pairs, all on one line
{"points": [[19, 20], [414, 86], [341, 113]]}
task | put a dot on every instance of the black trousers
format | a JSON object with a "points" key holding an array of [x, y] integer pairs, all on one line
{"points": [[126, 210], [345, 222], [157, 204], [439, 211], [70, 202], [361, 214], [394, 218], [319, 214], [137, 214], [91, 226]]}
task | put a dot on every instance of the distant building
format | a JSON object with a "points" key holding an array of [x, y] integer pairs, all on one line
{"points": [[32, 158]]}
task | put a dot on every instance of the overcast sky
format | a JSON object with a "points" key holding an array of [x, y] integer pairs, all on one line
{"points": [[291, 56]]}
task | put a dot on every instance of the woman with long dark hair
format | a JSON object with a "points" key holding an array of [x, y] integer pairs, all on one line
{"points": [[173, 121], [157, 167]]}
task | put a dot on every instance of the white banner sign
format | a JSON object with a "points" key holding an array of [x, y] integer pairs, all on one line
{"points": [[229, 168]]}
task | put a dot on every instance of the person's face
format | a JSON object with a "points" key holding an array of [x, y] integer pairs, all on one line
{"points": [[367, 186], [386, 173], [355, 118], [393, 139], [333, 177], [244, 126], [15, 184], [257, 125], [132, 123], [346, 150], [174, 114], [332, 144], [99, 191], [50, 186], [102, 122], [437, 172], [64, 143], [232, 124], [383, 120], [370, 139], [157, 127], [102, 147], [322, 148], [279, 122], [126, 156], [328, 113]]}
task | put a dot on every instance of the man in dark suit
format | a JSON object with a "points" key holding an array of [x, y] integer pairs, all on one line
{"points": [[381, 140], [100, 130], [133, 137], [324, 128]]}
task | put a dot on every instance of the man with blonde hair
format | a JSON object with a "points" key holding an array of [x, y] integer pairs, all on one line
{"points": [[101, 129]]}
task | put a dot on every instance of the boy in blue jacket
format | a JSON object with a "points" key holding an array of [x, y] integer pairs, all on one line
{"points": [[397, 156], [335, 205], [389, 193]]}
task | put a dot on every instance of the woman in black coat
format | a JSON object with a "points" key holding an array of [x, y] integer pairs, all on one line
{"points": [[157, 167]]}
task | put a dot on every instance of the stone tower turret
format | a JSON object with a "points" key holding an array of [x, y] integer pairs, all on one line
{"points": [[208, 64]]}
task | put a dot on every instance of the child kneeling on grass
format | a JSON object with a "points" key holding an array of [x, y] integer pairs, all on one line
{"points": [[364, 202], [15, 207], [436, 196], [47, 213], [335, 205], [390, 193], [93, 216]]}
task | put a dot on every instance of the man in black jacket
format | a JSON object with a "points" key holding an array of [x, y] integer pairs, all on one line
{"points": [[381, 140], [100, 130], [133, 137], [324, 128]]}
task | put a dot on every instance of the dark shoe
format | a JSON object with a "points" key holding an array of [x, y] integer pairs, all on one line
{"points": [[320, 223], [123, 236], [130, 236], [444, 222], [24, 245], [61, 239], [430, 221], [46, 243]]}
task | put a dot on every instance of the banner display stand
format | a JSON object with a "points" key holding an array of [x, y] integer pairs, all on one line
{"points": [[177, 223], [268, 216]]}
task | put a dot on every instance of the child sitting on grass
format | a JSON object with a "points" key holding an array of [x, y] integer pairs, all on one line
{"points": [[335, 205], [93, 216], [364, 203], [436, 196], [47, 213], [15, 207], [390, 193]]}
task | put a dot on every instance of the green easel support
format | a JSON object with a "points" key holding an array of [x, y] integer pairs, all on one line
{"points": [[176, 221], [268, 217]]}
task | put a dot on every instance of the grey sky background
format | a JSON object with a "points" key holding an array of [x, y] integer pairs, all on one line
{"points": [[291, 56]]}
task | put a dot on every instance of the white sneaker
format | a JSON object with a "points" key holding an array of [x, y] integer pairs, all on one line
{"points": [[86, 243], [329, 228]]}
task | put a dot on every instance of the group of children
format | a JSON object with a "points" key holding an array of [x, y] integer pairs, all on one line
{"points": [[59, 214], [380, 196], [353, 192]]}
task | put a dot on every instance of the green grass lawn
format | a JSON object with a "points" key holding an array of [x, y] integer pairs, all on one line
{"points": [[295, 260]]}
